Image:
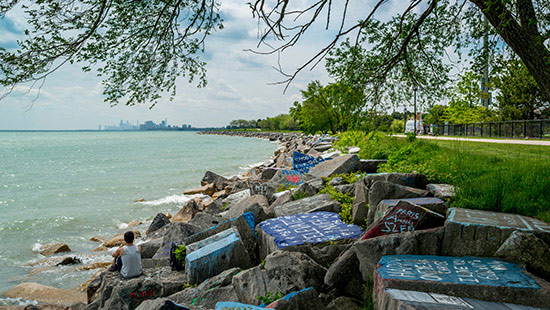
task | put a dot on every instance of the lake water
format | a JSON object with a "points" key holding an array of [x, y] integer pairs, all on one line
{"points": [[69, 186]]}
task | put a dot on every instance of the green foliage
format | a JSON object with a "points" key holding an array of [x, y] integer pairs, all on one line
{"points": [[397, 126], [377, 145], [270, 297], [519, 96], [348, 138], [345, 200], [241, 123], [411, 136], [348, 178], [285, 187], [180, 253], [335, 107], [297, 195], [224, 206], [435, 115], [280, 122]]}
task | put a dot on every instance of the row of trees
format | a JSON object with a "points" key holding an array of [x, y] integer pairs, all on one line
{"points": [[279, 122]]}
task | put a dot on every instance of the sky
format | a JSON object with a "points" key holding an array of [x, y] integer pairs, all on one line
{"points": [[238, 82]]}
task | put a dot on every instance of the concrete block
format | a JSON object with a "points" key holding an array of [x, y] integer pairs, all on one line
{"points": [[395, 299], [481, 233], [404, 217], [431, 203], [311, 228], [306, 205], [480, 278], [215, 257]]}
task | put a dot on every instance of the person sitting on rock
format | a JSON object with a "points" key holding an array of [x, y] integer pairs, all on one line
{"points": [[128, 258]]}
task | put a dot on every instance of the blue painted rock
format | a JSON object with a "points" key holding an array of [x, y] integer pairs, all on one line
{"points": [[217, 254], [480, 278], [303, 163], [305, 299], [431, 203], [229, 305], [481, 233], [394, 299], [306, 205], [404, 217], [299, 229]]}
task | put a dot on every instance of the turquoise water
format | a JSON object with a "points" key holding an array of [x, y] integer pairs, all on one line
{"points": [[69, 186]]}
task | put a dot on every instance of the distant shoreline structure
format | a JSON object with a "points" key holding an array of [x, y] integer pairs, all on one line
{"points": [[150, 126]]}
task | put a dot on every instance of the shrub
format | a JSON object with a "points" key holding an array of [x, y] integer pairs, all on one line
{"points": [[269, 297], [397, 126], [345, 200], [180, 253]]}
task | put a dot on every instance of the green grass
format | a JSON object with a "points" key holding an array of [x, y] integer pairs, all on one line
{"points": [[495, 177]]}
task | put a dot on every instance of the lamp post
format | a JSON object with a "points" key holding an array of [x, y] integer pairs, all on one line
{"points": [[415, 89]]}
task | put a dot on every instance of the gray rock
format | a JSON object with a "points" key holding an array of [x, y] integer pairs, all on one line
{"points": [[360, 207], [316, 183], [346, 189], [205, 220], [235, 197], [343, 303], [211, 177], [239, 186], [252, 283], [336, 181], [381, 190], [305, 299], [341, 164], [371, 165], [324, 253], [306, 189], [282, 199], [158, 222], [406, 179], [445, 192], [255, 204], [215, 207], [177, 232], [205, 299], [526, 249], [294, 271], [161, 304], [343, 274], [309, 204], [155, 262], [267, 174], [323, 146], [149, 248], [282, 176]]}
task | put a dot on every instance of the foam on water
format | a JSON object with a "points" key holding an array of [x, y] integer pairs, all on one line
{"points": [[171, 200], [6, 301]]}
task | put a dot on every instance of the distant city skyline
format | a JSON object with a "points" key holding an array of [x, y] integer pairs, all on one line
{"points": [[150, 125]]}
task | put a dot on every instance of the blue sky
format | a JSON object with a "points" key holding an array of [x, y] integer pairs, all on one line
{"points": [[237, 82]]}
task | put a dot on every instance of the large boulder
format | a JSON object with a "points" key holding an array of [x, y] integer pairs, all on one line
{"points": [[213, 178], [526, 249], [205, 220], [381, 190], [187, 212], [207, 189], [431, 203], [415, 180], [209, 292], [158, 222], [285, 177], [280, 200], [252, 283], [360, 207], [53, 248], [306, 205], [177, 233], [371, 165], [294, 271], [235, 197], [339, 165], [45, 294], [150, 247], [255, 204], [343, 274], [161, 304]]}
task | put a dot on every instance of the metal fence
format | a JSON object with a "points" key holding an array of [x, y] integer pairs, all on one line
{"points": [[539, 128]]}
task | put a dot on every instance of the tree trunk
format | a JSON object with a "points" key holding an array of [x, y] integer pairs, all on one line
{"points": [[525, 40]]}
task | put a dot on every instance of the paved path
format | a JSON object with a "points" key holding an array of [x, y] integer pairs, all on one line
{"points": [[504, 141]]}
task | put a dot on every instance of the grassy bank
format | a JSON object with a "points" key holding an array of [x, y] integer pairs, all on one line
{"points": [[496, 177]]}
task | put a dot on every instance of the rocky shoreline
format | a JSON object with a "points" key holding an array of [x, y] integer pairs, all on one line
{"points": [[277, 232]]}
